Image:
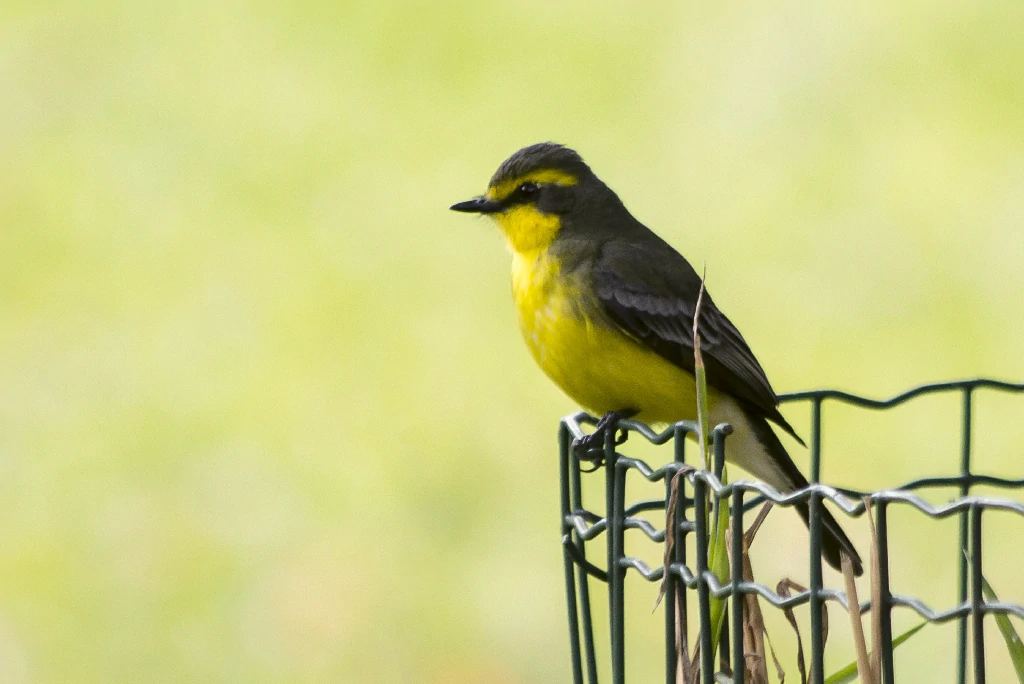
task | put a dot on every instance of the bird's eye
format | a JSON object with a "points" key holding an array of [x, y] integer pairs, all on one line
{"points": [[528, 189]]}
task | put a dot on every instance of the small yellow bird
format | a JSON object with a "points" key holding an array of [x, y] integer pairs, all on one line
{"points": [[606, 308]]}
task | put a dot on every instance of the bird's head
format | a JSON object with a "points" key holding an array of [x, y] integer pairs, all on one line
{"points": [[532, 193]]}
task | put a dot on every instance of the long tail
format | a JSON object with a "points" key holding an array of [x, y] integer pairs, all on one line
{"points": [[783, 474]]}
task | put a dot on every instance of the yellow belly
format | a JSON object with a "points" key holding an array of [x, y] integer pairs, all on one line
{"points": [[599, 367]]}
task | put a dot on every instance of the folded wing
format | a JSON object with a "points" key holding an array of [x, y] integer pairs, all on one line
{"points": [[650, 291]]}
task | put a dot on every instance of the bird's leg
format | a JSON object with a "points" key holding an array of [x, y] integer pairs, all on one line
{"points": [[590, 448]]}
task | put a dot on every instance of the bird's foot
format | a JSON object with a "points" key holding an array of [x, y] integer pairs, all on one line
{"points": [[590, 448]]}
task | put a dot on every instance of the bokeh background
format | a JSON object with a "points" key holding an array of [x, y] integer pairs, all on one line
{"points": [[264, 412]]}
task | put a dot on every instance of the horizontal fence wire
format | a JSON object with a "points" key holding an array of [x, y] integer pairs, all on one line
{"points": [[580, 527]]}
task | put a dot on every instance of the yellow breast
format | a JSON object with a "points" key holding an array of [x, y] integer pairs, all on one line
{"points": [[597, 365]]}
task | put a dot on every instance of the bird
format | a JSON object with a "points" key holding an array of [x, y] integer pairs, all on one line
{"points": [[606, 308]]}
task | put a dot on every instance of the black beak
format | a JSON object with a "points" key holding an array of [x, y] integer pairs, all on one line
{"points": [[477, 205]]}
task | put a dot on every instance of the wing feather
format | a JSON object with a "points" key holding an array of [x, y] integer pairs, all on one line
{"points": [[650, 291]]}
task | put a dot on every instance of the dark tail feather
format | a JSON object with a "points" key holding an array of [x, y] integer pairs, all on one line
{"points": [[833, 539]]}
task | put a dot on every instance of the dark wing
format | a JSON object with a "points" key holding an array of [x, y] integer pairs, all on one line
{"points": [[648, 289]]}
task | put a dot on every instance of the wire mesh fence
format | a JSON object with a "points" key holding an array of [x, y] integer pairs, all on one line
{"points": [[582, 531]]}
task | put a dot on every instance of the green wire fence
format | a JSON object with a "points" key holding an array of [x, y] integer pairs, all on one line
{"points": [[580, 526]]}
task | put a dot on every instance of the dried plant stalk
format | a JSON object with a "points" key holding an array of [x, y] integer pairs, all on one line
{"points": [[863, 664], [876, 598]]}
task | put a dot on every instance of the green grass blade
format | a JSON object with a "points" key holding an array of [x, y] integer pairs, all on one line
{"points": [[702, 384], [1010, 636], [718, 556], [718, 560], [702, 407], [849, 673]]}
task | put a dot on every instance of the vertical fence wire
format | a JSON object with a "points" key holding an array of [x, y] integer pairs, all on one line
{"points": [[616, 573], [884, 593], [736, 573], [675, 604], [977, 598], [965, 488], [814, 524], [700, 515], [570, 567]]}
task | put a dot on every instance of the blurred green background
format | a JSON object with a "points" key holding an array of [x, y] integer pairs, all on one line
{"points": [[265, 415]]}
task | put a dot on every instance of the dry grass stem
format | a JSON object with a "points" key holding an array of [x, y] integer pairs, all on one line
{"points": [[683, 661], [783, 590], [755, 662], [876, 598], [863, 665]]}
